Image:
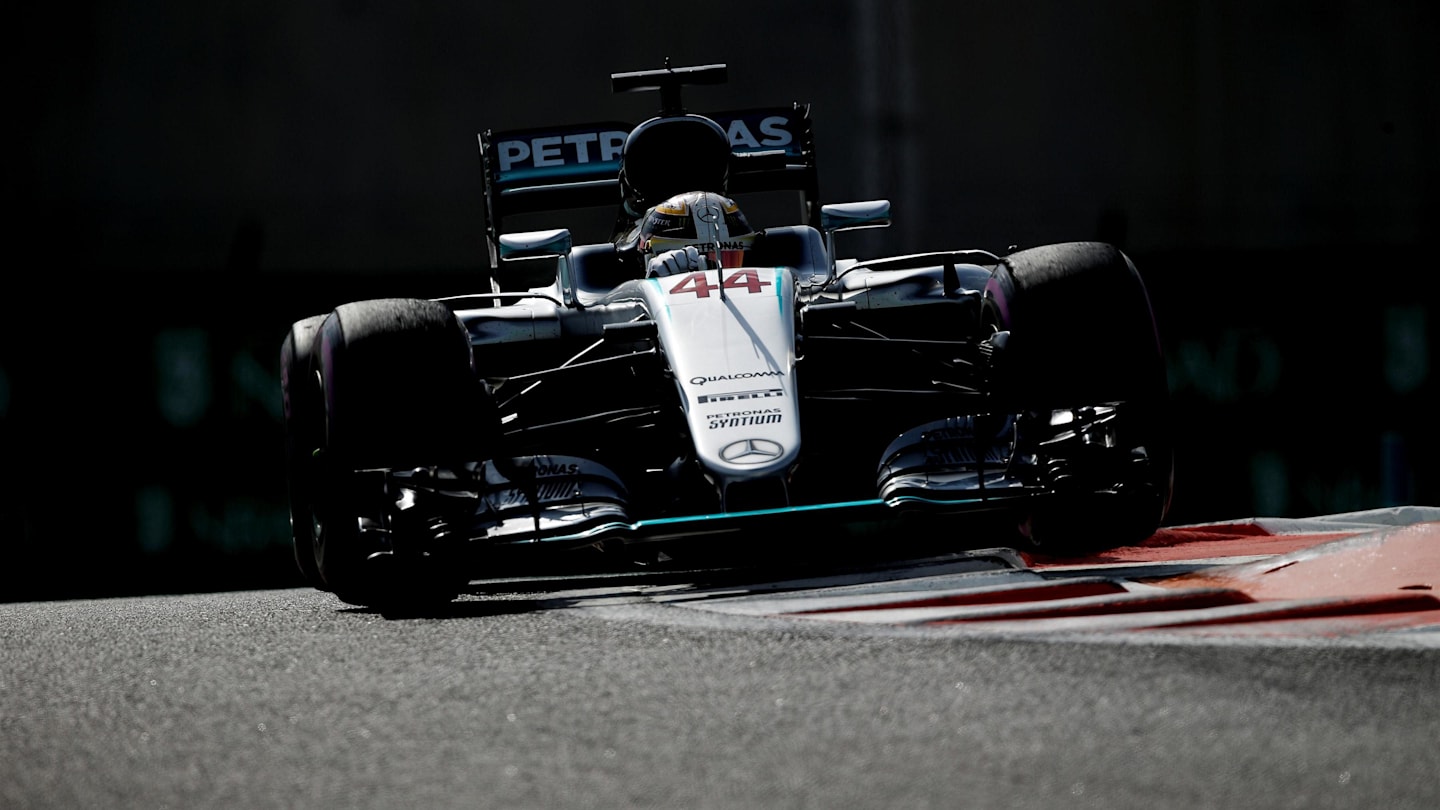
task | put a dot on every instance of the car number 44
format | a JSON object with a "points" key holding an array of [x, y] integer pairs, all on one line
{"points": [[701, 286]]}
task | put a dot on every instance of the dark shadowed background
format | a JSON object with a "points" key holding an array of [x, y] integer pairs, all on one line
{"points": [[192, 177]]}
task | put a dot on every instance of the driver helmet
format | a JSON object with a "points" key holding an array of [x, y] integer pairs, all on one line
{"points": [[710, 222]]}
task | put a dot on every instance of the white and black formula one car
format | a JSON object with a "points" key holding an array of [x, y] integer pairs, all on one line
{"points": [[693, 378]]}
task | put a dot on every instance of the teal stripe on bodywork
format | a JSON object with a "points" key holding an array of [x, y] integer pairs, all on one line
{"points": [[592, 170], [663, 297], [641, 528], [783, 510]]}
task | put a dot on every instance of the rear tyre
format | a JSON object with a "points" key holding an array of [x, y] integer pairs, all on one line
{"points": [[398, 390], [304, 429], [1082, 331]]}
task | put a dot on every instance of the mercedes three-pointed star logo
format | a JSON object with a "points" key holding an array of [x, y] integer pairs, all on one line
{"points": [[752, 451]]}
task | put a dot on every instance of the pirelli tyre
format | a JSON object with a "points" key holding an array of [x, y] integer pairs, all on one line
{"points": [[398, 389], [304, 417], [1081, 330]]}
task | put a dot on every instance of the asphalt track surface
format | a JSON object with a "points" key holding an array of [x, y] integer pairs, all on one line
{"points": [[746, 688]]}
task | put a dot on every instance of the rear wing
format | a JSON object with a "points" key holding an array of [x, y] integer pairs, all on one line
{"points": [[526, 171]]}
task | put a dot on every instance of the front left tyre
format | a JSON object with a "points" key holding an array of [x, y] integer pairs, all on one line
{"points": [[1081, 330]]}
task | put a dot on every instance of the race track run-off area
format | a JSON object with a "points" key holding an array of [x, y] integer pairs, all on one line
{"points": [[1359, 577], [1255, 663]]}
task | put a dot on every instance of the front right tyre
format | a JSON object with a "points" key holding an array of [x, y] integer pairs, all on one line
{"points": [[398, 389], [304, 423]]}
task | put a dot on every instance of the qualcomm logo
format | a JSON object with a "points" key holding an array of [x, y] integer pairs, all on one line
{"points": [[744, 375], [752, 451]]}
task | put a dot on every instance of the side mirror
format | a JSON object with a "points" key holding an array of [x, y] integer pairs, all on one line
{"points": [[837, 217], [535, 244], [534, 259], [849, 216]]}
